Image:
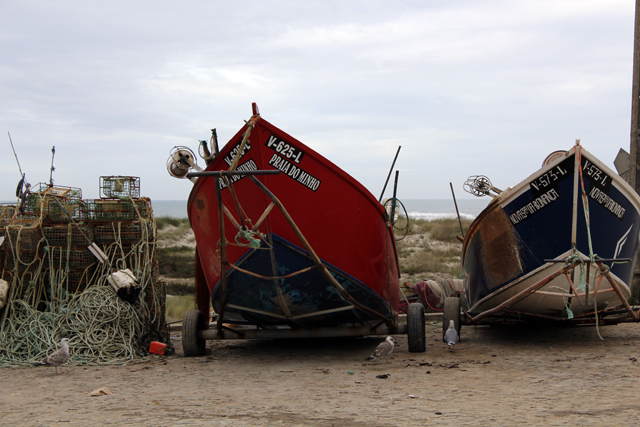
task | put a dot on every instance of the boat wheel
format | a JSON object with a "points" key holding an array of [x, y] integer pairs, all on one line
{"points": [[416, 328], [192, 344], [451, 312]]}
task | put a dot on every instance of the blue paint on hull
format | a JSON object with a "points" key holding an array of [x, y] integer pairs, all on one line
{"points": [[305, 293]]}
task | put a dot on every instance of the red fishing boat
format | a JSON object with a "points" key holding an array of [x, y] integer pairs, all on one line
{"points": [[288, 245]]}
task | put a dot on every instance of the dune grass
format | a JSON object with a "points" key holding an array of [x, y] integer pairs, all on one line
{"points": [[162, 222], [176, 261], [178, 305], [173, 230], [431, 247], [432, 261], [444, 229]]}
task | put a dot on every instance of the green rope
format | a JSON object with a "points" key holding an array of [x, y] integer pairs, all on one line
{"points": [[102, 329]]}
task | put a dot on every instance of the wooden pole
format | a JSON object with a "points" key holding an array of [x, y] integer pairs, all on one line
{"points": [[634, 158], [635, 98]]}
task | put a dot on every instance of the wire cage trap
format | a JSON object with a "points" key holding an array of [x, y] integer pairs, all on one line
{"points": [[115, 187]]}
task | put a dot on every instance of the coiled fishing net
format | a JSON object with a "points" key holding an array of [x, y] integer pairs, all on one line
{"points": [[57, 289]]}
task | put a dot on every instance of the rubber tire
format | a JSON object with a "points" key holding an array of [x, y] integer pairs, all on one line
{"points": [[451, 312], [416, 334], [192, 322]]}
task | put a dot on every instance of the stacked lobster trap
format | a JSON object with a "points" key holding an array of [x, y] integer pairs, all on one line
{"points": [[57, 247]]}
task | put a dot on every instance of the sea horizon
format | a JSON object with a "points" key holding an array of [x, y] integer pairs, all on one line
{"points": [[428, 209]]}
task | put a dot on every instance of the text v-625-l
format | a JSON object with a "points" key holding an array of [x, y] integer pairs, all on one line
{"points": [[285, 149]]}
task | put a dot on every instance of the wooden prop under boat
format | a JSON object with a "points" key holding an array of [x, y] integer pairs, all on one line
{"points": [[286, 240], [559, 245]]}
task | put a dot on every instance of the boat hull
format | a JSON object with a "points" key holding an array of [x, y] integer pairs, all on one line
{"points": [[528, 231], [342, 222], [306, 299]]}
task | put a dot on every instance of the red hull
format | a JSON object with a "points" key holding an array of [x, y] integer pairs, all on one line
{"points": [[342, 221]]}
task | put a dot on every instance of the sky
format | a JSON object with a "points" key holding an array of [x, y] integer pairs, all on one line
{"points": [[464, 87]]}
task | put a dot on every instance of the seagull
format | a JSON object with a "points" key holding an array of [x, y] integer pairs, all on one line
{"points": [[58, 357], [451, 336], [384, 349]]}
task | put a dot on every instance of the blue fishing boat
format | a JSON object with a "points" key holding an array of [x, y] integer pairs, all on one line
{"points": [[560, 245]]}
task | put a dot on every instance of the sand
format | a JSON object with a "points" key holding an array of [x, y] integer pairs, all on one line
{"points": [[494, 376]]}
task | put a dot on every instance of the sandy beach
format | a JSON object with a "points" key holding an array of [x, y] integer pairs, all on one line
{"points": [[494, 376]]}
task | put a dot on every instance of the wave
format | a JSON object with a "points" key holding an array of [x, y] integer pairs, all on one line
{"points": [[432, 216]]}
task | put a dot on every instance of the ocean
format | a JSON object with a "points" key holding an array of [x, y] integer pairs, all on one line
{"points": [[416, 208]]}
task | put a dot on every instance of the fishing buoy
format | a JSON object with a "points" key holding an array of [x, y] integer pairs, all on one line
{"points": [[125, 284]]}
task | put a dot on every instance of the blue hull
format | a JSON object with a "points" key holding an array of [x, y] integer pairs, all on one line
{"points": [[507, 245], [303, 300]]}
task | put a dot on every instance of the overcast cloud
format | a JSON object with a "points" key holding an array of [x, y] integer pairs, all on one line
{"points": [[465, 87]]}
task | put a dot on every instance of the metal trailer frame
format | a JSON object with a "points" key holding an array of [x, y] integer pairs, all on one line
{"points": [[195, 329]]}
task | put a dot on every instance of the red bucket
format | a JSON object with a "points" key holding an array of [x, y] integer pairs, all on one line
{"points": [[157, 348]]}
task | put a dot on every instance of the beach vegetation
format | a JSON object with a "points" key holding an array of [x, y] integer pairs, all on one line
{"points": [[162, 222], [442, 229], [176, 261], [178, 305], [435, 262], [430, 248]]}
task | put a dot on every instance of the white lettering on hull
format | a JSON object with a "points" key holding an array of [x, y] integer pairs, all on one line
{"points": [[294, 172]]}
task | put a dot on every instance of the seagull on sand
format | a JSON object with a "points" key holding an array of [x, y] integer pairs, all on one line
{"points": [[451, 336], [58, 357], [384, 349]]}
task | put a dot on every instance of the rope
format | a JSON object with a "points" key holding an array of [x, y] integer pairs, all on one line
{"points": [[575, 257], [601, 273], [393, 222], [585, 206], [103, 329], [43, 306]]}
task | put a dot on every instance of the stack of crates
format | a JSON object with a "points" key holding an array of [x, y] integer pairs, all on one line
{"points": [[56, 226], [6, 215], [21, 243], [119, 216], [21, 249], [44, 242], [54, 203]]}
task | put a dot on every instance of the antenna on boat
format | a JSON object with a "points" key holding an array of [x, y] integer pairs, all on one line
{"points": [[457, 211], [19, 193], [390, 170], [53, 153], [15, 155]]}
